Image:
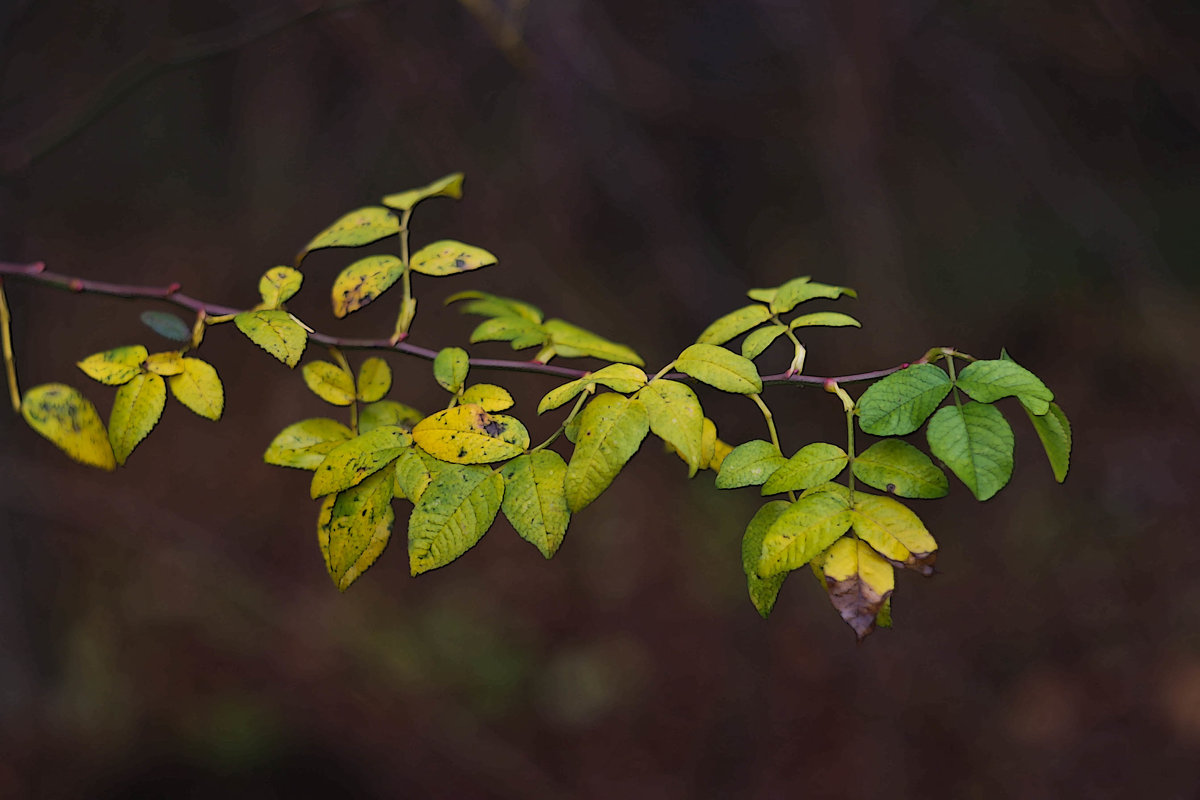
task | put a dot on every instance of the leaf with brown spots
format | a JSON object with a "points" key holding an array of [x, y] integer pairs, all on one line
{"points": [[351, 462], [363, 281], [448, 257], [466, 434], [69, 420], [859, 582], [116, 366], [354, 527], [358, 228]]}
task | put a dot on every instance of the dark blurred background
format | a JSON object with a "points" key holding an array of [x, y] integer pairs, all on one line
{"points": [[986, 174]]}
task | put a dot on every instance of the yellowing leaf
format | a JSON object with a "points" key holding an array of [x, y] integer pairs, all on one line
{"points": [[572, 341], [518, 330], [896, 467], [751, 463], [535, 501], [734, 323], [363, 281], [358, 228], [450, 368], [767, 295], [276, 332], [349, 463], [720, 451], [488, 396], [801, 532], [69, 420], [452, 515], [448, 257], [859, 583], [676, 417], [135, 412], [720, 368], [387, 412], [611, 429], [278, 285], [708, 444], [894, 530], [792, 293], [828, 319], [415, 470], [811, 466], [374, 380], [199, 388], [760, 340], [563, 394], [305, 444], [165, 364], [466, 434], [490, 305], [621, 377], [354, 526], [116, 366], [449, 186], [763, 591], [1055, 432], [329, 382]]}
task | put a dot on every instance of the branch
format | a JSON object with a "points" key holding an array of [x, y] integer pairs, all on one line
{"points": [[36, 273]]}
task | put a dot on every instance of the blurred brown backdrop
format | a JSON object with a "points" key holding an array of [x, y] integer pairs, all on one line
{"points": [[987, 174]]}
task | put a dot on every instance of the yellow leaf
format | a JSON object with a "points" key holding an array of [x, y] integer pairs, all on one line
{"points": [[363, 281], [305, 444], [535, 501], [364, 226], [199, 388], [374, 380], [452, 515], [449, 186], [611, 429], [677, 418], [720, 450], [488, 396], [165, 364], [276, 332], [803, 531], [894, 530], [349, 463], [69, 420], [708, 443], [116, 366], [466, 434], [387, 412], [135, 412], [329, 382], [859, 582], [448, 257], [415, 470], [763, 591], [278, 284], [720, 368], [571, 341], [354, 526]]}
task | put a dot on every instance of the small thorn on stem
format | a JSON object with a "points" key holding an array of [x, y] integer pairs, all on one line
{"points": [[905, 365], [39, 266], [173, 288]]}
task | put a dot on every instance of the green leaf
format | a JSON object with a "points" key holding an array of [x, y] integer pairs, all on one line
{"points": [[68, 419], [760, 340], [165, 364], [895, 531], [448, 257], [1055, 432], [329, 382], [560, 395], [802, 531], [116, 366], [611, 429], [277, 332], [899, 403], [349, 463], [450, 368], [415, 470], [167, 325], [305, 444], [387, 412], [811, 466], [677, 418], [278, 285], [859, 582], [535, 501], [358, 228], [518, 330], [828, 319], [354, 526], [374, 380], [749, 464], [452, 515], [490, 305], [720, 368], [136, 410], [448, 186], [488, 396], [572, 341], [976, 443], [988, 381], [734, 324], [466, 434], [896, 467], [363, 281], [768, 295], [620, 377], [199, 388], [795, 292], [763, 591]]}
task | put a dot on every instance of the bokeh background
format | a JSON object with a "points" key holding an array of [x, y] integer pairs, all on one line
{"points": [[986, 174]]}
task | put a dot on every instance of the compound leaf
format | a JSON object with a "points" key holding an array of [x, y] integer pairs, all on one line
{"points": [[899, 403], [354, 526], [453, 513], [768, 295], [571, 341], [358, 228], [751, 463], [976, 443], [363, 281], [988, 381], [800, 290], [676, 417], [68, 419], [859, 582], [488, 396], [278, 285], [1055, 432], [466, 434], [387, 412], [896, 467], [305, 444], [374, 380], [136, 410], [811, 466], [329, 382], [166, 325], [734, 324], [450, 368], [275, 331], [199, 388], [802, 531], [448, 186], [448, 257], [895, 531], [611, 429], [351, 462], [763, 591], [116, 366], [535, 500], [490, 305], [720, 368]]}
